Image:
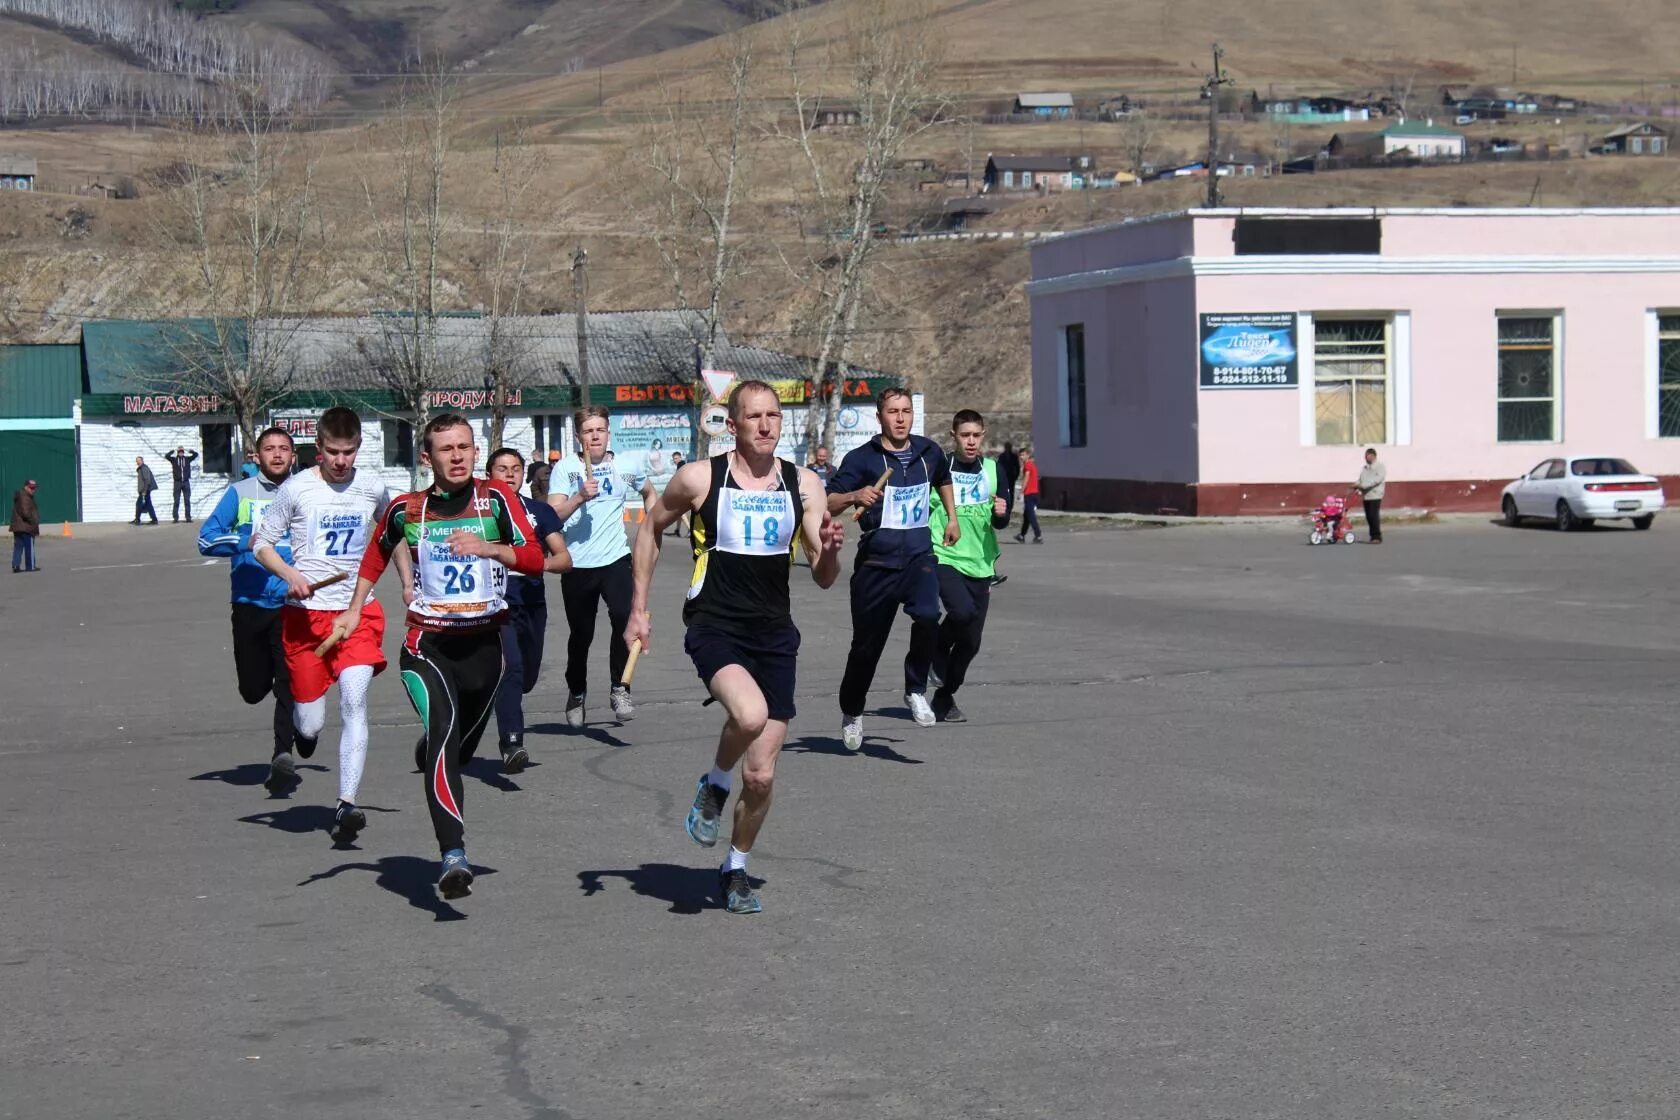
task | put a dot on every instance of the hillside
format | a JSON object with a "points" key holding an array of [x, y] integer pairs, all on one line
{"points": [[951, 315]]}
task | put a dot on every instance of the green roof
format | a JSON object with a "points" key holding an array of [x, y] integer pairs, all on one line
{"points": [[1420, 130], [40, 381], [147, 355]]}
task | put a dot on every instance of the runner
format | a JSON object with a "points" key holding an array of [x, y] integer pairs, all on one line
{"points": [[527, 618], [461, 536], [894, 565], [259, 657], [750, 509], [327, 512], [591, 504], [967, 569]]}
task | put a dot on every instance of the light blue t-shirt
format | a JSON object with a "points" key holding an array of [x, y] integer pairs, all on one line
{"points": [[595, 533]]}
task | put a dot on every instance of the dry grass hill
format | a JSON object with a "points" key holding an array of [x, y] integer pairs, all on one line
{"points": [[587, 76]]}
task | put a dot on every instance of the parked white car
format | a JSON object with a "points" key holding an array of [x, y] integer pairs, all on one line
{"points": [[1577, 491]]}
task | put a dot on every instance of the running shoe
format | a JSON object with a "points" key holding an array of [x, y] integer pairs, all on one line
{"points": [[282, 771], [999, 581], [514, 755], [420, 754], [738, 896], [348, 823], [917, 702], [935, 677], [945, 710], [574, 710], [620, 701], [851, 733], [304, 747], [455, 879], [706, 814]]}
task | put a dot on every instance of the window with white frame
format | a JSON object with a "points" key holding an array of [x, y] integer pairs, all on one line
{"points": [[1668, 375], [1528, 380], [1352, 363]]}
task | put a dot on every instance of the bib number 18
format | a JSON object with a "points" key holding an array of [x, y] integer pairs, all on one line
{"points": [[772, 531]]}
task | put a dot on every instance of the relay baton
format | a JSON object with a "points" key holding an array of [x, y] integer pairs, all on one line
{"points": [[635, 655], [879, 482]]}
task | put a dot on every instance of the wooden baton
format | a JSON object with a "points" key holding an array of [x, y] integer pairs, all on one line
{"points": [[339, 577], [635, 655], [879, 482], [337, 635]]}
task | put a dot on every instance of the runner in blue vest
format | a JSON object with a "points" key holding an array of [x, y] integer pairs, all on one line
{"points": [[966, 569], [259, 659], [895, 563]]}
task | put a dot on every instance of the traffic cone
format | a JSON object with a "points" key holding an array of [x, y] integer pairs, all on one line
{"points": [[67, 531]]}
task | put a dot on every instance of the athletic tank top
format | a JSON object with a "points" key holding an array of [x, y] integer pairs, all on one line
{"points": [[743, 549]]}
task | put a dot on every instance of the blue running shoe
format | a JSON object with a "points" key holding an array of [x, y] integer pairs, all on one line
{"points": [[457, 877], [706, 813], [738, 896]]}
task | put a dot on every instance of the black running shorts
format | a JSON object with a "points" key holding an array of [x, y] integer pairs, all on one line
{"points": [[768, 657]]}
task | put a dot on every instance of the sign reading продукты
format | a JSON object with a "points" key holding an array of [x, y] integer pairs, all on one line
{"points": [[1249, 351]]}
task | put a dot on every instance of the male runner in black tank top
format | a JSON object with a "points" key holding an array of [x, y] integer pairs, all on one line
{"points": [[750, 509]]}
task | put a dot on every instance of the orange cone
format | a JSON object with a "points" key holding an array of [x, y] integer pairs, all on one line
{"points": [[67, 531]]}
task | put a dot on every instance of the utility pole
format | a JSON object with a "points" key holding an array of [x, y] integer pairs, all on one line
{"points": [[580, 293], [1210, 90]]}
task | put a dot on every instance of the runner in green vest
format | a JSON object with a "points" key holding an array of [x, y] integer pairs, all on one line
{"points": [[967, 567]]}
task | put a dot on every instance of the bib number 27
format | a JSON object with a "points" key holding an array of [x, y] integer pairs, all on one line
{"points": [[338, 541]]}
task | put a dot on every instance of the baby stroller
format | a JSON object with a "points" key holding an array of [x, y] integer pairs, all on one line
{"points": [[1330, 522]]}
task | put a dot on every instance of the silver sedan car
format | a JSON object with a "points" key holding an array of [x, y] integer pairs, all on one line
{"points": [[1577, 491]]}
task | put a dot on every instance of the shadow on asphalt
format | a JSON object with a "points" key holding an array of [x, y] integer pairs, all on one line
{"points": [[489, 771], [250, 774], [600, 735], [408, 877], [874, 746], [300, 820], [688, 890]]}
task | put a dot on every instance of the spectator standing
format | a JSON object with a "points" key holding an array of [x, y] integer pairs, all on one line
{"points": [[1373, 481], [821, 466], [1029, 498], [539, 474], [180, 466], [146, 482], [26, 526], [1009, 473]]}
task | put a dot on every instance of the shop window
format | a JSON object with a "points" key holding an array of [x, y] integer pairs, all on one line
{"points": [[1527, 379], [399, 443], [1668, 376], [1073, 386], [217, 442], [1351, 378]]}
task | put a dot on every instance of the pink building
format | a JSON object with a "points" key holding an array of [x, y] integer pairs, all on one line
{"points": [[1239, 361]]}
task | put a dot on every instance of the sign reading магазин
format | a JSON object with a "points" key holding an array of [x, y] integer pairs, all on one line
{"points": [[1254, 351]]}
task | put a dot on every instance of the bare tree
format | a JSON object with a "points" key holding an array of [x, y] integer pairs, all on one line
{"points": [[509, 345], [701, 156], [890, 59], [243, 217], [1138, 134], [407, 221]]}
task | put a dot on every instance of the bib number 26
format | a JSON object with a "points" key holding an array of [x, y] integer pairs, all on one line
{"points": [[458, 579]]}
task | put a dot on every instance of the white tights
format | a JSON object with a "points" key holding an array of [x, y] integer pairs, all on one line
{"points": [[310, 718]]}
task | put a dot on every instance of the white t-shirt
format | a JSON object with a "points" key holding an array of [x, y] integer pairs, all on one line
{"points": [[329, 526], [595, 534]]}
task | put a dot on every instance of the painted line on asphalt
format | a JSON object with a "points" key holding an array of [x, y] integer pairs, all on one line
{"points": [[143, 564]]}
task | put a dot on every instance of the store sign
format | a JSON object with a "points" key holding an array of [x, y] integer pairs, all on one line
{"points": [[1249, 351], [299, 423], [653, 433], [473, 400], [176, 403]]}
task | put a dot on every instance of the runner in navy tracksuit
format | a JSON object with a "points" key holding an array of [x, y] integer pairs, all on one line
{"points": [[258, 659], [527, 618], [895, 564]]}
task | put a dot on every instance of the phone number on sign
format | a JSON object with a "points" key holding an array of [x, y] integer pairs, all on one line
{"points": [[1258, 375]]}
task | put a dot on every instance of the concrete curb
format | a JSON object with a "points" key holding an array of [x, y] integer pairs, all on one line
{"points": [[1281, 520]]}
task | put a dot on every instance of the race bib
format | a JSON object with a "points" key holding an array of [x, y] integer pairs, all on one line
{"points": [[905, 507], [338, 535], [755, 522], [971, 488], [452, 584]]}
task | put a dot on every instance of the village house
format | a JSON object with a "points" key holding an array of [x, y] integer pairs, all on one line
{"points": [[1641, 139], [1046, 106], [834, 114], [1041, 172], [17, 173], [1423, 140]]}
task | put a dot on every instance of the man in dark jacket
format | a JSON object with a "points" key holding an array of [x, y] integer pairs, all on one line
{"points": [[180, 463], [893, 478], [146, 483], [26, 526]]}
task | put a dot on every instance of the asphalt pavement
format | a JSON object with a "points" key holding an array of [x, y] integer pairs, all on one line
{"points": [[1239, 828]]}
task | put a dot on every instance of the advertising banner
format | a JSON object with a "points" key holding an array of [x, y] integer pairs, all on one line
{"points": [[1249, 351]]}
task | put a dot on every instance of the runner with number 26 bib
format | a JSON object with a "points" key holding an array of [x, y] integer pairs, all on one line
{"points": [[462, 535]]}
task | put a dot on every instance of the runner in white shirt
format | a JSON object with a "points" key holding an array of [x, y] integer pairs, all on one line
{"points": [[329, 512], [589, 492]]}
